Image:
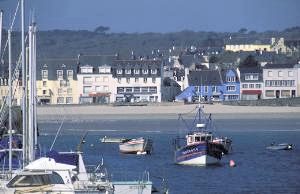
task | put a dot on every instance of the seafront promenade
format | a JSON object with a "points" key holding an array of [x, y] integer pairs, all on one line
{"points": [[168, 110]]}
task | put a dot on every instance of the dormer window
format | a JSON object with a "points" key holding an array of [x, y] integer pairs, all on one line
{"points": [[70, 74], [86, 69], [153, 71], [127, 71], [136, 71], [104, 69], [145, 71], [119, 71], [44, 74], [59, 74], [230, 79]]}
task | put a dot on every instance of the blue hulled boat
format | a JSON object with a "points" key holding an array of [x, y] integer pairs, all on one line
{"points": [[199, 147]]}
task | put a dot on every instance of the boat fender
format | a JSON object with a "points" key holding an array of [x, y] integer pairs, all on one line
{"points": [[232, 163]]}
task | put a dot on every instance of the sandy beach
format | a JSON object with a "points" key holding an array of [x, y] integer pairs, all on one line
{"points": [[163, 111]]}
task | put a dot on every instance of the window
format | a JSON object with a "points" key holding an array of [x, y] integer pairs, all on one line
{"points": [[214, 88], [270, 93], [60, 100], [86, 69], [44, 74], [128, 80], [69, 90], [145, 80], [128, 90], [44, 83], [62, 83], [230, 79], [70, 74], [119, 80], [119, 71], [153, 80], [247, 77], [105, 88], [258, 85], [244, 85], [280, 73], [270, 73], [60, 91], [87, 89], [205, 89], [255, 76], [153, 89], [87, 80], [136, 71], [59, 74], [145, 89], [69, 100], [101, 70], [136, 80], [290, 73], [127, 71], [120, 90], [107, 69], [44, 92], [105, 79], [251, 85], [67, 83], [153, 71], [230, 88], [98, 88], [145, 71], [292, 82], [136, 89], [98, 79]]}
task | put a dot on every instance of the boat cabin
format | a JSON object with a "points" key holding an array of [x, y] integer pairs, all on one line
{"points": [[198, 137]]}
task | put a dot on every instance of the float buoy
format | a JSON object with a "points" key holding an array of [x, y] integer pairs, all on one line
{"points": [[232, 163]]}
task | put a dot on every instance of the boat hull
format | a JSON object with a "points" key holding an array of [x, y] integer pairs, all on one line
{"points": [[136, 146], [198, 154]]}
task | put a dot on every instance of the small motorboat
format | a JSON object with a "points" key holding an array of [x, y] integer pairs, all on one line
{"points": [[139, 146], [281, 146]]}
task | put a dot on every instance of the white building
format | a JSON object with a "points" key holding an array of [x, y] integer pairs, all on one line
{"points": [[280, 80]]}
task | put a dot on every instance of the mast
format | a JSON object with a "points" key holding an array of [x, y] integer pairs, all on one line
{"points": [[24, 83], [10, 101], [34, 87], [1, 22], [31, 101]]}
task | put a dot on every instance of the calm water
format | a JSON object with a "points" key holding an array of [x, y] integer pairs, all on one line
{"points": [[258, 170]]}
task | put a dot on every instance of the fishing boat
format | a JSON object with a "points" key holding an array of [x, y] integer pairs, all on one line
{"points": [[198, 147], [281, 146], [136, 146]]}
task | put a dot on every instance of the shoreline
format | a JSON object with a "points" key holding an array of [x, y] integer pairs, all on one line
{"points": [[169, 111]]}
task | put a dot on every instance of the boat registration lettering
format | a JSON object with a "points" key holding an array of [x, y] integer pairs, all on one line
{"points": [[190, 151]]}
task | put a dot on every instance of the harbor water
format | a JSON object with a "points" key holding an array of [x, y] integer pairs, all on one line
{"points": [[257, 170]]}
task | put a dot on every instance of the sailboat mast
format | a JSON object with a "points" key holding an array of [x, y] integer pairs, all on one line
{"points": [[34, 86], [10, 100], [30, 108], [24, 83], [1, 22]]}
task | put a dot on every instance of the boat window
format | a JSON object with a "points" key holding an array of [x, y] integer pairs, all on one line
{"points": [[203, 138], [35, 180], [55, 178], [209, 138], [197, 139]]}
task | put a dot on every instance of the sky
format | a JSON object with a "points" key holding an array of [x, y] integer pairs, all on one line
{"points": [[159, 15]]}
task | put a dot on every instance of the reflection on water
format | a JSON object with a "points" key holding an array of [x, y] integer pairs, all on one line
{"points": [[258, 170]]}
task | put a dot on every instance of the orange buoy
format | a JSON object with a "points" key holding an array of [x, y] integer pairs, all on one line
{"points": [[232, 163]]}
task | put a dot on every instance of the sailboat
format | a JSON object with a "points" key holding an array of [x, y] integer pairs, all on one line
{"points": [[53, 174]]}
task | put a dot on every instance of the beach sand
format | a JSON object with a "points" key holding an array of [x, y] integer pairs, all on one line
{"points": [[168, 111]]}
